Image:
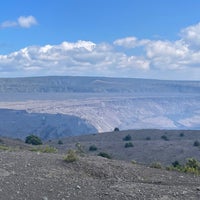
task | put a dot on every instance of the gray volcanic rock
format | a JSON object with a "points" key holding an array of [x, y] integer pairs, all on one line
{"points": [[106, 103], [19, 124], [33, 176]]}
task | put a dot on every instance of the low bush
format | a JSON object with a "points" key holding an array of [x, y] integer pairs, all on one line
{"points": [[9, 148], [92, 148], [164, 137], [176, 164], [60, 142], [128, 144], [71, 156], [105, 155], [127, 138], [156, 165], [33, 139], [133, 161], [181, 135], [196, 143], [191, 166], [4, 148], [116, 129], [80, 148], [45, 149]]}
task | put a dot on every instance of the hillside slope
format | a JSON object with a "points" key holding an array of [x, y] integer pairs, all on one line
{"points": [[149, 146], [34, 176]]}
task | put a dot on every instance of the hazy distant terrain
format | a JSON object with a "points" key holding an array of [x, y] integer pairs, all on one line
{"points": [[96, 85], [106, 103], [19, 124]]}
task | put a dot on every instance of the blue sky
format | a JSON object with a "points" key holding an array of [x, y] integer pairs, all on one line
{"points": [[120, 38]]}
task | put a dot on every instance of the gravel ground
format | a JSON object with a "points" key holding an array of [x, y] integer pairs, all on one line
{"points": [[26, 175]]}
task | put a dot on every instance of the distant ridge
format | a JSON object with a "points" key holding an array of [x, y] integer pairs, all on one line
{"points": [[106, 103], [76, 84]]}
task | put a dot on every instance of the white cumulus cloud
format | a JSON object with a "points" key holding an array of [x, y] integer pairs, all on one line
{"points": [[191, 35], [26, 21], [22, 21], [163, 59], [8, 24], [130, 42], [78, 58]]}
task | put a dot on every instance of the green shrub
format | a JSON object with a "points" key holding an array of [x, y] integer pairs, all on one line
{"points": [[4, 148], [127, 138], [133, 161], [60, 142], [156, 165], [196, 143], [193, 163], [33, 139], [181, 135], [128, 144], [71, 156], [105, 155], [92, 148], [191, 166], [164, 137], [45, 149], [116, 129], [176, 164], [171, 168], [80, 148]]}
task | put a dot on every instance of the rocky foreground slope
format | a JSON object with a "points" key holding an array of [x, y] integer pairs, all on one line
{"points": [[46, 176]]}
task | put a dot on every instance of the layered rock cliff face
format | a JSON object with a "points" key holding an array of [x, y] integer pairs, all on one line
{"points": [[19, 124], [104, 103]]}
